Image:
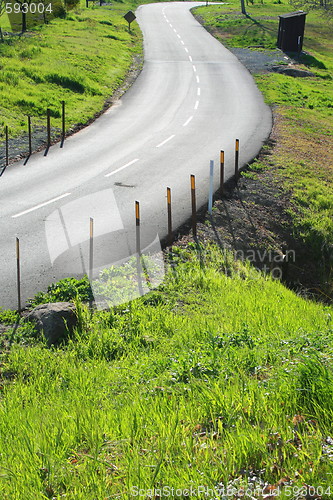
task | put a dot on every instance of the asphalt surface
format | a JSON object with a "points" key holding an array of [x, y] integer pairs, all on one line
{"points": [[192, 99]]}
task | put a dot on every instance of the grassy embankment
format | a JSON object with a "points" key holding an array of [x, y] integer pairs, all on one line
{"points": [[81, 59], [221, 375], [302, 159]]}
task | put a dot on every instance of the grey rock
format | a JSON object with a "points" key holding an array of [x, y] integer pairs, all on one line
{"points": [[290, 71], [56, 321]]}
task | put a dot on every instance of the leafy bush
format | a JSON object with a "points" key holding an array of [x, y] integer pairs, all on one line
{"points": [[64, 290]]}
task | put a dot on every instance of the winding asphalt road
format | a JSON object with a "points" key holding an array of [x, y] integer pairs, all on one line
{"points": [[192, 99]]}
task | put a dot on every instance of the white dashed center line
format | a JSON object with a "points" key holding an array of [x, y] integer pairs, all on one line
{"points": [[41, 205], [187, 121], [166, 140], [122, 168], [195, 106]]}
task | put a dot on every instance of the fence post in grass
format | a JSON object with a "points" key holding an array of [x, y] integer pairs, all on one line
{"points": [[138, 246], [169, 216], [137, 225], [29, 133], [7, 154], [221, 172], [91, 249], [237, 160], [63, 124], [48, 123], [91, 256], [194, 207], [211, 187], [18, 275]]}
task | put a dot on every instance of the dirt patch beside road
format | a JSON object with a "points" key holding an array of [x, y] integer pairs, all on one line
{"points": [[251, 220]]}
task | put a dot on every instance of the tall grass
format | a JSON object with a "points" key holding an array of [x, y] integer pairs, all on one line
{"points": [[219, 379]]}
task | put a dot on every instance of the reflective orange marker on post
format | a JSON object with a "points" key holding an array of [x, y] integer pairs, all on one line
{"points": [[137, 223], [221, 172], [194, 207], [169, 216], [138, 246], [236, 159]]}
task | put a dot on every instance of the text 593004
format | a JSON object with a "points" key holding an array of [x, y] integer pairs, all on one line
{"points": [[31, 8]]}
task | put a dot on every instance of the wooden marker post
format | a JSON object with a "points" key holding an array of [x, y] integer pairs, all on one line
{"points": [[18, 275], [169, 216], [48, 125], [221, 172], [91, 249], [7, 154], [138, 246], [194, 207], [91, 256], [63, 124], [211, 187], [236, 159], [137, 224], [29, 132]]}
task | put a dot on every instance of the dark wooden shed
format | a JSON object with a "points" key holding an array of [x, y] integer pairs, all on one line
{"points": [[291, 31]]}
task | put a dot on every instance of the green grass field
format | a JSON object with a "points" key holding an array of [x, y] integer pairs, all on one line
{"points": [[220, 376], [303, 107], [81, 59]]}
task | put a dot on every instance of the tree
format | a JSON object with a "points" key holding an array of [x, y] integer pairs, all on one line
{"points": [[25, 6], [326, 6]]}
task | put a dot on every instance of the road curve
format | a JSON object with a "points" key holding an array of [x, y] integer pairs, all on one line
{"points": [[192, 99]]}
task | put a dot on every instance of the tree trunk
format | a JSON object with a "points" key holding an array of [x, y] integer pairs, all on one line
{"points": [[243, 7], [1, 35], [24, 22]]}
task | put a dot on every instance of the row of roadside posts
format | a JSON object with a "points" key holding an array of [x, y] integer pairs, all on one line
{"points": [[138, 220], [48, 134]]}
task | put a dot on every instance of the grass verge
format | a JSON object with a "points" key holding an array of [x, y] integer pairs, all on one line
{"points": [[82, 60], [220, 378]]}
